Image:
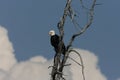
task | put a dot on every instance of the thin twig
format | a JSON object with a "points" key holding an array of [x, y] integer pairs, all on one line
{"points": [[57, 70], [91, 13], [82, 65]]}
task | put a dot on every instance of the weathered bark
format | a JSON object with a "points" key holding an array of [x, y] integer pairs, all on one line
{"points": [[60, 63]]}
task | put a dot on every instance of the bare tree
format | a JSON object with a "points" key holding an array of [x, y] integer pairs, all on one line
{"points": [[60, 63]]}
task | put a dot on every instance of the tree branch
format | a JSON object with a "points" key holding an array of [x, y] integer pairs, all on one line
{"points": [[57, 56], [91, 14], [82, 65], [60, 63], [62, 21]]}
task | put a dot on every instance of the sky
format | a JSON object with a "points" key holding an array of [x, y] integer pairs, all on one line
{"points": [[26, 23]]}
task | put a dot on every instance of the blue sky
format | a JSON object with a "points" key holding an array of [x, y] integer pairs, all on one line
{"points": [[29, 21]]}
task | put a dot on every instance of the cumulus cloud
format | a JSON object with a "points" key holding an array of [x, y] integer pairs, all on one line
{"points": [[30, 71], [91, 68], [36, 68], [3, 74], [7, 58]]}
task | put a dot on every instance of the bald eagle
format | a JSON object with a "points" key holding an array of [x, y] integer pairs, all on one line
{"points": [[55, 42]]}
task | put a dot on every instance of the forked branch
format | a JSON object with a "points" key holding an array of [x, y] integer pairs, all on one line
{"points": [[60, 63], [91, 15]]}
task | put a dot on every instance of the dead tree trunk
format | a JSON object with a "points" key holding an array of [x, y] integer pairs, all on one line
{"points": [[60, 63]]}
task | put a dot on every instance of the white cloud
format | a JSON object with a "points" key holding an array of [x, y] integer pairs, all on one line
{"points": [[3, 74], [38, 59], [30, 71], [37, 67], [7, 58], [91, 68]]}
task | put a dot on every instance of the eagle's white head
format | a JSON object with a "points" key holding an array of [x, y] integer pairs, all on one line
{"points": [[51, 32]]}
